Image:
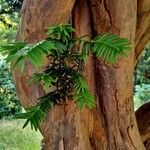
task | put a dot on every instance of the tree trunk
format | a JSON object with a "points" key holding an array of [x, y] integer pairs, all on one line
{"points": [[143, 120], [112, 124]]}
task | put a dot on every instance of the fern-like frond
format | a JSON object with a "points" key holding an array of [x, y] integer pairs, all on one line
{"points": [[80, 83], [61, 32], [46, 78], [85, 99], [12, 47], [46, 103], [34, 116], [36, 53], [109, 47], [86, 48], [36, 78], [82, 95]]}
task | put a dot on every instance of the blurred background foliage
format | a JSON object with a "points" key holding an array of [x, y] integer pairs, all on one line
{"points": [[9, 16], [9, 104], [142, 79]]}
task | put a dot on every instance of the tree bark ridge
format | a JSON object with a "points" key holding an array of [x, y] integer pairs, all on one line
{"points": [[113, 81]]}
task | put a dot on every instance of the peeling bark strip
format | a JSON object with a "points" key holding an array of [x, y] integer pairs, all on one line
{"points": [[112, 124]]}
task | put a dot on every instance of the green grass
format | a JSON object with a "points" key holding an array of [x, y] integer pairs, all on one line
{"points": [[13, 137]]}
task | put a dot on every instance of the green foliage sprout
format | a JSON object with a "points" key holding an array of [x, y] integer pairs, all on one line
{"points": [[67, 57]]}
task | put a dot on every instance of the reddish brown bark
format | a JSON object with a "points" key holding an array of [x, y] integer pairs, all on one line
{"points": [[114, 82], [112, 124], [143, 27]]}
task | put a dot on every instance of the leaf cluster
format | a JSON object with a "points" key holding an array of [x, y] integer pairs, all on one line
{"points": [[63, 76]]}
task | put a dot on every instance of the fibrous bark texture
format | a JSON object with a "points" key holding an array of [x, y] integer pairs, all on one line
{"points": [[112, 124]]}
